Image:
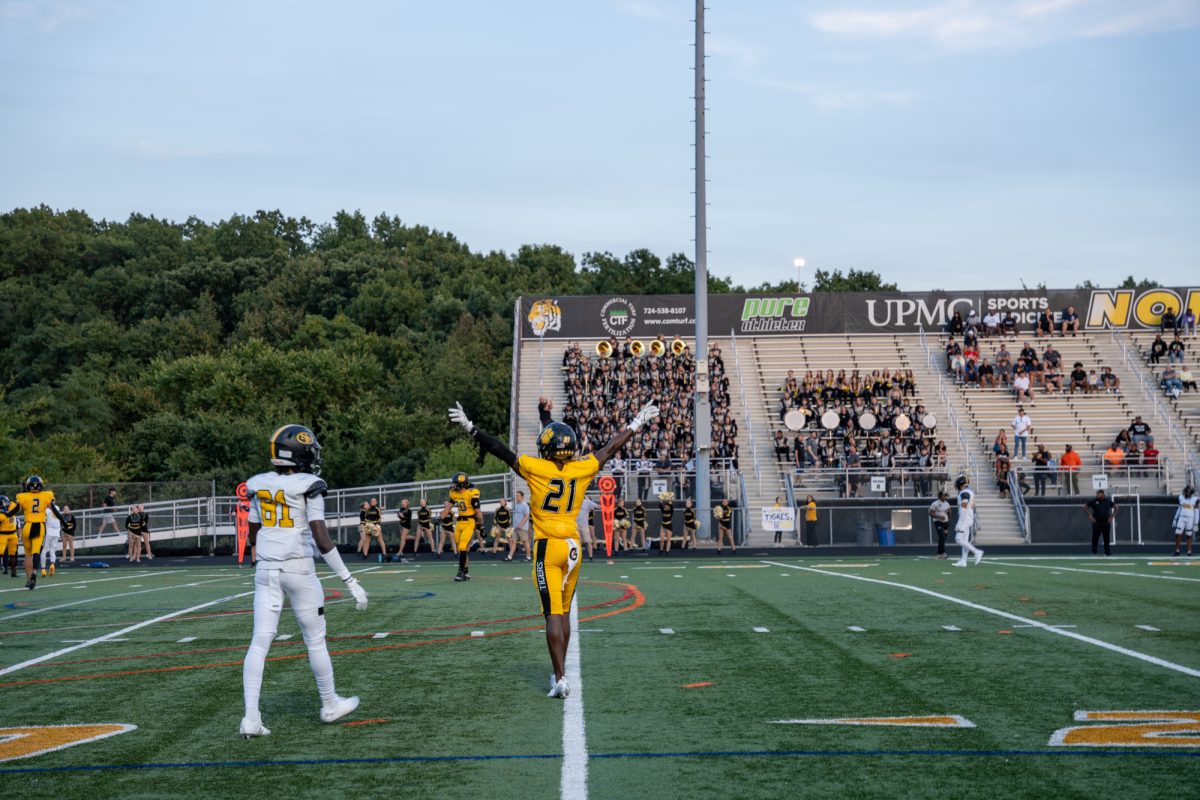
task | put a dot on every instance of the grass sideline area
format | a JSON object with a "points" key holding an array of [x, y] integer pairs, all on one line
{"points": [[737, 677]]}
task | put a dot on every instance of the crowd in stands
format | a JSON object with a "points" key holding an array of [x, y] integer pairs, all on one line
{"points": [[1177, 377], [879, 425], [604, 392]]}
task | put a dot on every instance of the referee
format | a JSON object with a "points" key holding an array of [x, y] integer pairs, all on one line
{"points": [[1101, 511]]}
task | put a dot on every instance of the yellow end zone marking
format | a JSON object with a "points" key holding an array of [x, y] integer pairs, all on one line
{"points": [[735, 566], [1173, 563], [33, 740], [1136, 729], [936, 721]]}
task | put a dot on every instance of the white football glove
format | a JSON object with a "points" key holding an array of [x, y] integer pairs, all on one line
{"points": [[360, 594], [459, 417], [648, 412]]}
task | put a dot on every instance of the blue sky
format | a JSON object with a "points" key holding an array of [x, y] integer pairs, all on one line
{"points": [[942, 143]]}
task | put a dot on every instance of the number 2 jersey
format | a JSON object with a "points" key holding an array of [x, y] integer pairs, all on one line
{"points": [[556, 495], [284, 504]]}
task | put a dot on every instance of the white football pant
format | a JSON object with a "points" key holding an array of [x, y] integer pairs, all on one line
{"points": [[297, 580]]}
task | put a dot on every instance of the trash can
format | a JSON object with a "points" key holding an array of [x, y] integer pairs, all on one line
{"points": [[863, 534], [885, 535]]}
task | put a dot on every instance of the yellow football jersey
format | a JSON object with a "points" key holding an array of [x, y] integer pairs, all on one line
{"points": [[8, 524], [556, 494], [466, 501], [34, 504]]}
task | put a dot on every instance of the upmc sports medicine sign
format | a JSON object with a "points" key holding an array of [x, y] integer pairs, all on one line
{"points": [[647, 316]]}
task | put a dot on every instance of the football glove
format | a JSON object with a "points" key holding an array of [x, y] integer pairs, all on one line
{"points": [[459, 417], [648, 412], [360, 594]]}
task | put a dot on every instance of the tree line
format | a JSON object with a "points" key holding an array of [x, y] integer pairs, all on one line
{"points": [[157, 350]]}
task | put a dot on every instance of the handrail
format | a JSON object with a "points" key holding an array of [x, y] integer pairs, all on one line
{"points": [[742, 504], [944, 394], [737, 366], [1018, 498], [1151, 392]]}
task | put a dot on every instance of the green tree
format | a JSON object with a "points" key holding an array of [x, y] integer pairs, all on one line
{"points": [[853, 281]]}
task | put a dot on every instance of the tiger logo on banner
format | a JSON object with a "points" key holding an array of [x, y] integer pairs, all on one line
{"points": [[545, 316]]}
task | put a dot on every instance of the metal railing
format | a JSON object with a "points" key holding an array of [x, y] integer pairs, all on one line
{"points": [[897, 481], [1153, 393], [1016, 491], [943, 393], [737, 366]]}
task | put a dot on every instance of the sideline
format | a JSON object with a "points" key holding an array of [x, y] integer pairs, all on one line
{"points": [[575, 755], [56, 585], [1159, 662], [1058, 568], [8, 617]]}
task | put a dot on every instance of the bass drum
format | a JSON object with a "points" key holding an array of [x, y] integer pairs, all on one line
{"points": [[867, 421], [903, 423], [929, 421], [794, 420], [830, 420]]}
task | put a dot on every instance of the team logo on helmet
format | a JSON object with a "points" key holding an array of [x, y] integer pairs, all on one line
{"points": [[304, 437], [544, 316], [557, 442]]}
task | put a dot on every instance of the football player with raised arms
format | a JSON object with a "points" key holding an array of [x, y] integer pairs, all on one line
{"points": [[287, 526], [558, 482]]}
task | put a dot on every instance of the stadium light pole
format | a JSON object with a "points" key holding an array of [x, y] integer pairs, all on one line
{"points": [[799, 265], [703, 420]]}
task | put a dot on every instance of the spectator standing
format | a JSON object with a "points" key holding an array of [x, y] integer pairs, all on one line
{"points": [[69, 524], [110, 511], [1187, 322], [1041, 466], [521, 527], [724, 515], [810, 521], [1070, 465], [1101, 510], [939, 512], [134, 526], [1022, 426]]}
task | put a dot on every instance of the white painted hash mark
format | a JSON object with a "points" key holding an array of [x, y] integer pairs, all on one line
{"points": [[1150, 628], [856, 629], [762, 630], [379, 636], [951, 628], [667, 631], [187, 639]]}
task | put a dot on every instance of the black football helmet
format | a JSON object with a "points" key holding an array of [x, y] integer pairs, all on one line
{"points": [[557, 442], [4, 502], [461, 481], [296, 446], [34, 483], [961, 482], [1188, 491]]}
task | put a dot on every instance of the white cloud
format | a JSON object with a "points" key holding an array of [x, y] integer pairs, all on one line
{"points": [[981, 24]]}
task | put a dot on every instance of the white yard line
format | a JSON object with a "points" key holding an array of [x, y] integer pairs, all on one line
{"points": [[1159, 662], [117, 634], [1096, 571], [124, 577], [575, 757], [8, 617]]}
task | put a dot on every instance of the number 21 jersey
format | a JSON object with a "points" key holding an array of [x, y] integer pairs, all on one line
{"points": [[556, 494]]}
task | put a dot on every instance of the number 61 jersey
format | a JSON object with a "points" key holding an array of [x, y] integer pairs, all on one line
{"points": [[284, 504], [556, 494]]}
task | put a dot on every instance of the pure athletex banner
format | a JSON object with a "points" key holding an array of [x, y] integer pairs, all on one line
{"points": [[648, 316]]}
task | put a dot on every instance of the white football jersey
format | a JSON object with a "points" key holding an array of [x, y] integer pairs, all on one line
{"points": [[53, 526], [1187, 505], [966, 518], [284, 504], [970, 493]]}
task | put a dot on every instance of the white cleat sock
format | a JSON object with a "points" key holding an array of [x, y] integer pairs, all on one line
{"points": [[340, 707]]}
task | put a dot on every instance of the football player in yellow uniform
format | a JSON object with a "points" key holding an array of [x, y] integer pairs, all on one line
{"points": [[557, 482], [465, 498], [8, 534], [33, 504]]}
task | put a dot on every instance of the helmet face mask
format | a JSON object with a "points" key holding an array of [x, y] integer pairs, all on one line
{"points": [[33, 483], [296, 446], [461, 481], [557, 442]]}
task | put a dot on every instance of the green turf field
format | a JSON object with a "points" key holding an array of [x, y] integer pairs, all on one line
{"points": [[686, 665]]}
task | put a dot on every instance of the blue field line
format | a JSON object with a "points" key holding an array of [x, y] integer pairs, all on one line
{"points": [[1063, 753]]}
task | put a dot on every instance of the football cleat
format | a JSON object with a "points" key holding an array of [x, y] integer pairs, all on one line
{"points": [[978, 557], [340, 708], [461, 576], [52, 570], [561, 689], [249, 729], [43, 573], [960, 563]]}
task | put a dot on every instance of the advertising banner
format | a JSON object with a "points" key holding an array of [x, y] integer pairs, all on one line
{"points": [[647, 316]]}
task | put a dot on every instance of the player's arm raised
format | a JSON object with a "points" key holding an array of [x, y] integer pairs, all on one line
{"points": [[648, 412], [489, 443]]}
